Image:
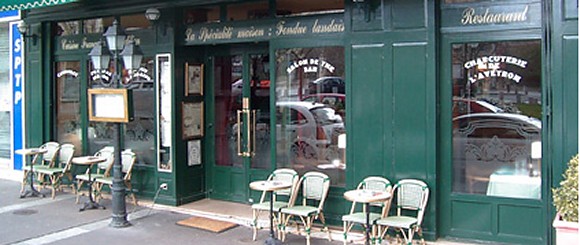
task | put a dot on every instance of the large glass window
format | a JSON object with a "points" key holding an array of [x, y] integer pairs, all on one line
{"points": [[68, 128], [310, 95], [497, 111], [138, 135], [5, 96]]}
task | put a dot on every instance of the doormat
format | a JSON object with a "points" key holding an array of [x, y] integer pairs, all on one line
{"points": [[213, 225]]}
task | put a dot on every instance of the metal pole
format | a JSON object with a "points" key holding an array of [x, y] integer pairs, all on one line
{"points": [[119, 214]]}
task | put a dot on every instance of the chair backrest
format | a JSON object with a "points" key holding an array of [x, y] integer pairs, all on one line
{"points": [[412, 195], [128, 159], [107, 152], [286, 175], [374, 183], [65, 155], [49, 158], [315, 187]]}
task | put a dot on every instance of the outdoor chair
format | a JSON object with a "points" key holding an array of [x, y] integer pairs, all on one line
{"points": [[283, 174], [358, 211], [315, 187], [128, 159], [62, 168], [103, 168], [42, 161], [411, 200]]}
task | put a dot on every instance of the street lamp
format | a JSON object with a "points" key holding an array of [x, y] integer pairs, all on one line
{"points": [[100, 57]]}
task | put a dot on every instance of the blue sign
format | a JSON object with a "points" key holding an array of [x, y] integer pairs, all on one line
{"points": [[9, 15], [17, 80]]}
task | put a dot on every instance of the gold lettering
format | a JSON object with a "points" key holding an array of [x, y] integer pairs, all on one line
{"points": [[471, 17]]}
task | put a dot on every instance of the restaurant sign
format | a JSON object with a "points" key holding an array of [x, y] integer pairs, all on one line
{"points": [[492, 66], [493, 16], [263, 30]]}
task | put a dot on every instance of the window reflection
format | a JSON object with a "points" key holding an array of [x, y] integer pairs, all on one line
{"points": [[68, 128], [497, 113], [310, 94]]}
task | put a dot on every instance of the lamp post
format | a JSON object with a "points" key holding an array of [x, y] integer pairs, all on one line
{"points": [[100, 57]]}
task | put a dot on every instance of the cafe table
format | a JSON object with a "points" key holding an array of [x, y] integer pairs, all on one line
{"points": [[31, 152], [367, 197], [89, 161], [270, 186]]}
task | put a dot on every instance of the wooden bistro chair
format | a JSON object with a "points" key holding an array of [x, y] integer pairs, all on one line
{"points": [[358, 211], [411, 200], [62, 168], [315, 187], [128, 159], [103, 168], [45, 160], [283, 174]]}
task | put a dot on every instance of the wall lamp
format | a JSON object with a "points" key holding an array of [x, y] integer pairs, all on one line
{"points": [[24, 30], [153, 15]]}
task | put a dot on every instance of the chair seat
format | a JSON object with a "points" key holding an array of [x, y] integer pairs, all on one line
{"points": [[36, 167], [397, 221], [85, 177], [50, 171], [105, 180], [266, 205], [361, 217], [300, 210]]}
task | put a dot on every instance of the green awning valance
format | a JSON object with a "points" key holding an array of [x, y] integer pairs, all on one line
{"points": [[28, 4]]}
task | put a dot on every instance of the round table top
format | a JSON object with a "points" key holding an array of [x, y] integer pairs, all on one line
{"points": [[31, 151], [87, 160], [270, 185], [367, 196]]}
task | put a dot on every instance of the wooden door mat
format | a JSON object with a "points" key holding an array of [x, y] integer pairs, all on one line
{"points": [[213, 225]]}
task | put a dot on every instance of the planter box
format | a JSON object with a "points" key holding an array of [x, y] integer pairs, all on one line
{"points": [[566, 232]]}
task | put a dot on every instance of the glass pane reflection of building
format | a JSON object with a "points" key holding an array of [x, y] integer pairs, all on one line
{"points": [[497, 111], [310, 126]]}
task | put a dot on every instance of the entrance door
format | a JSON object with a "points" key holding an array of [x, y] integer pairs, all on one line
{"points": [[241, 95]]}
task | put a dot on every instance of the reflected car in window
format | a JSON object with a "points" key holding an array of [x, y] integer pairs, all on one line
{"points": [[463, 106], [333, 100], [326, 85], [309, 130]]}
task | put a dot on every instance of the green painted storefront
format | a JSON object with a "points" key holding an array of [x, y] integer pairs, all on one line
{"points": [[398, 59]]}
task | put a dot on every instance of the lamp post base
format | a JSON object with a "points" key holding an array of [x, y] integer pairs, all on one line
{"points": [[272, 241]]}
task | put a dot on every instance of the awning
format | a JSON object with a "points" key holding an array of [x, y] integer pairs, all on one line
{"points": [[28, 4]]}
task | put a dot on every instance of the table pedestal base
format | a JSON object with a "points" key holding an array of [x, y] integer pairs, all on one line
{"points": [[91, 205]]}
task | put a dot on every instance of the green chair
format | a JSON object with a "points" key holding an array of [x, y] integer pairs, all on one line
{"points": [[45, 160], [315, 187], [128, 159], [358, 211], [283, 174], [411, 200], [103, 168], [62, 168]]}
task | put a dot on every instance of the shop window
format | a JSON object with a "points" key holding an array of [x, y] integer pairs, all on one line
{"points": [[5, 96], [497, 112], [134, 22], [248, 11], [305, 7], [139, 134], [68, 128], [202, 15], [463, 1], [310, 131], [97, 25], [67, 28]]}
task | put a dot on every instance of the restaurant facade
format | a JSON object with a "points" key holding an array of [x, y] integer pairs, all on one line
{"points": [[476, 98]]}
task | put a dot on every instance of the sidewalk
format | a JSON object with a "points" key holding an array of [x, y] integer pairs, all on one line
{"points": [[47, 221]]}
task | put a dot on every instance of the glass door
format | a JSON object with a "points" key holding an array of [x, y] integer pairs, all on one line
{"points": [[241, 121]]}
